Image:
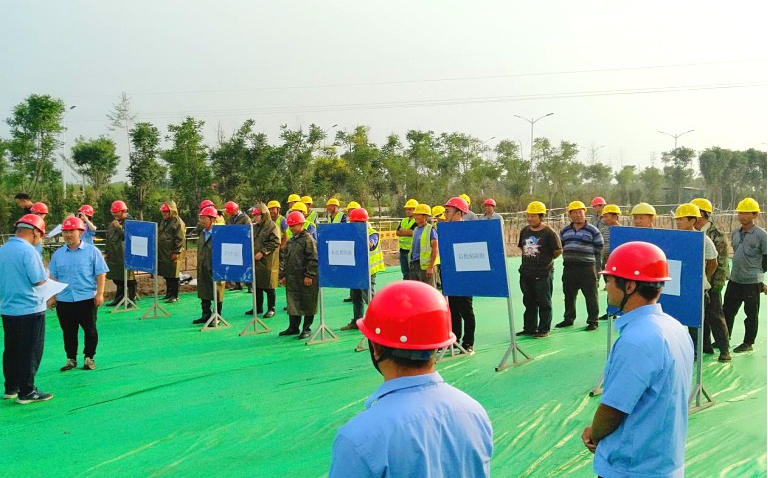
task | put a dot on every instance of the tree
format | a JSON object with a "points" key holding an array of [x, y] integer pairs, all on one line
{"points": [[121, 118], [423, 159], [96, 160], [144, 170], [651, 181], [713, 167], [557, 166], [516, 171], [34, 126], [625, 184], [677, 171], [188, 160], [363, 163]]}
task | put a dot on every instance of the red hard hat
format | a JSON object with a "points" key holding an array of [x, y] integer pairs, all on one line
{"points": [[72, 224], [638, 261], [118, 206], [408, 315], [458, 203], [255, 210], [209, 211], [489, 202], [230, 208], [164, 208], [598, 201], [358, 215], [33, 220], [39, 208], [206, 203], [86, 209], [295, 217]]}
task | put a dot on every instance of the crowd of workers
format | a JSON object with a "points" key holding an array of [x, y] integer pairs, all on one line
{"points": [[403, 339]]}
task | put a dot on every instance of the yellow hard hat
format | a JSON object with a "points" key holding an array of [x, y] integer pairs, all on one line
{"points": [[332, 202], [272, 204], [687, 210], [411, 203], [536, 207], [299, 206], [466, 198], [748, 205], [703, 204], [612, 208], [294, 198], [438, 211], [306, 199], [643, 208], [423, 209], [575, 205], [352, 205]]}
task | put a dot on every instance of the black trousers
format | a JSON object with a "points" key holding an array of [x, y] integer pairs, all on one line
{"points": [[714, 322], [749, 295], [206, 304], [295, 320], [171, 287], [580, 278], [72, 316], [24, 338], [421, 275], [260, 299], [537, 299], [360, 297], [462, 314]]}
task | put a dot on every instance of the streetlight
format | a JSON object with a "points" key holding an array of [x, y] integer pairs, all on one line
{"points": [[482, 146], [533, 122], [64, 141], [675, 135]]}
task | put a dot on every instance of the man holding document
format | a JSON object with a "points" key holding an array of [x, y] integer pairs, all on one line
{"points": [[22, 306], [82, 266]]}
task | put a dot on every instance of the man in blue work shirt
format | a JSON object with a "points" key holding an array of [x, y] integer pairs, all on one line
{"points": [[414, 424], [82, 266], [22, 307], [640, 426], [423, 255]]}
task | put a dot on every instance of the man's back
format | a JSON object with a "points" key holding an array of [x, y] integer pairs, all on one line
{"points": [[418, 427]]}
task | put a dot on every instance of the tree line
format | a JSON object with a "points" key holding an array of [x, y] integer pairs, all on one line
{"points": [[247, 167]]}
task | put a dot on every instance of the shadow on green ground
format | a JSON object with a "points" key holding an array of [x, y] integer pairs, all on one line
{"points": [[167, 400]]}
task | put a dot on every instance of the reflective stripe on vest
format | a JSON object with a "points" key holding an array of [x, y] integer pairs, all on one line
{"points": [[337, 218], [425, 248], [406, 242], [375, 257], [312, 217]]}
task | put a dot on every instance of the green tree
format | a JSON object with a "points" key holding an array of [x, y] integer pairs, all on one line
{"points": [[596, 179], [121, 118], [558, 168], [516, 172], [678, 172], [96, 160], [363, 163], [651, 181], [625, 184], [34, 127], [188, 160], [144, 171], [713, 167], [423, 160]]}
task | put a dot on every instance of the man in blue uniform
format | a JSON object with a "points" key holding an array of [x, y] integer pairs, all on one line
{"points": [[640, 426], [414, 424]]}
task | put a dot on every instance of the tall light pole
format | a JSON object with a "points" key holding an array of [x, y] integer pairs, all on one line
{"points": [[64, 141], [482, 145], [533, 122], [675, 135]]}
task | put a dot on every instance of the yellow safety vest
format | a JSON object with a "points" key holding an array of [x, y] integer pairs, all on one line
{"points": [[375, 257], [337, 218], [425, 248], [312, 217], [406, 242], [288, 232]]}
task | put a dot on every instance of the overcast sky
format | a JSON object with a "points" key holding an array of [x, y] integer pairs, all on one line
{"points": [[613, 73]]}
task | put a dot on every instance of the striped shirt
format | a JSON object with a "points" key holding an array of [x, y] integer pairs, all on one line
{"points": [[582, 247]]}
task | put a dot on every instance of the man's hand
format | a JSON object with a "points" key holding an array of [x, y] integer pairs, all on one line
{"points": [[282, 282], [174, 257], [586, 437], [258, 256], [98, 300], [52, 302], [307, 281], [763, 288], [430, 271], [115, 223]]}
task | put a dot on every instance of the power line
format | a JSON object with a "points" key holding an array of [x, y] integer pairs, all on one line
{"points": [[433, 80], [430, 103]]}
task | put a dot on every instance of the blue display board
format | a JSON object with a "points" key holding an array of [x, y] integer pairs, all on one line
{"points": [[342, 253], [683, 296], [232, 253], [140, 246], [472, 258]]}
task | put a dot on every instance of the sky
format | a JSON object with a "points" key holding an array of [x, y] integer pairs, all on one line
{"points": [[613, 73]]}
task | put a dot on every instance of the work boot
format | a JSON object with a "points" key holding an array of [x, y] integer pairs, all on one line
{"points": [[293, 326], [591, 326], [132, 290], [270, 313], [565, 323], [118, 293], [307, 329], [205, 305], [724, 357]]}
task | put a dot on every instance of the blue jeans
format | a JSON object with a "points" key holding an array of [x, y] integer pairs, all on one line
{"points": [[24, 341], [405, 264]]}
